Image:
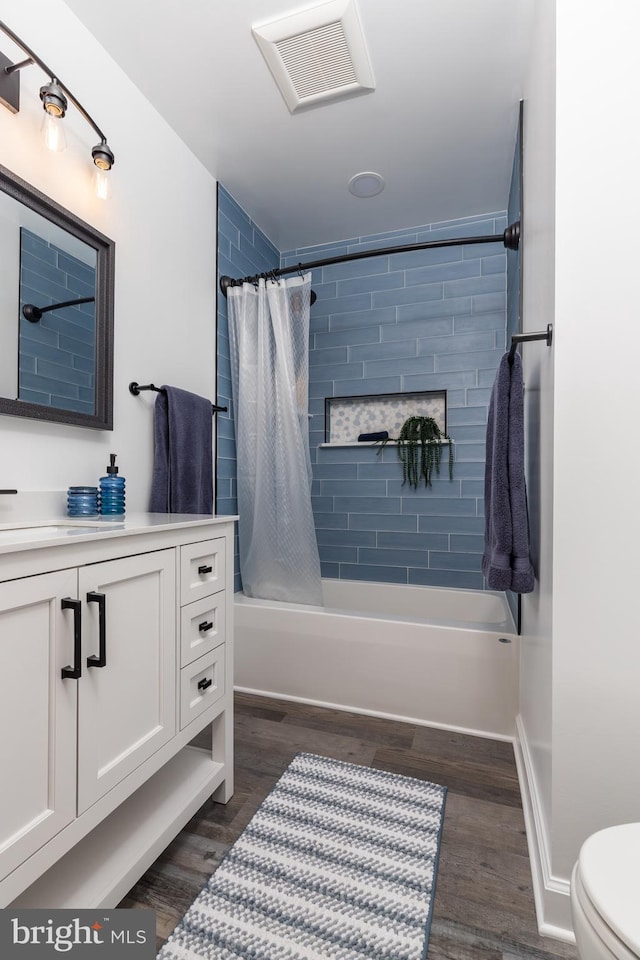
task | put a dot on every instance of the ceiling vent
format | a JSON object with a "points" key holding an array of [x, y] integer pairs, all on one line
{"points": [[318, 54]]}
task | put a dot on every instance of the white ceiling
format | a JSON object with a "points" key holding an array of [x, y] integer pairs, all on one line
{"points": [[440, 125]]}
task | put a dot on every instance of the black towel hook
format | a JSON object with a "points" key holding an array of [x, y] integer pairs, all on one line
{"points": [[526, 337]]}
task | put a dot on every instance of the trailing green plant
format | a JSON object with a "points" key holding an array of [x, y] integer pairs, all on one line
{"points": [[420, 450]]}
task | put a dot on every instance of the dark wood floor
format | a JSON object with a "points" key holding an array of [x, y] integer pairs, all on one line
{"points": [[484, 906]]}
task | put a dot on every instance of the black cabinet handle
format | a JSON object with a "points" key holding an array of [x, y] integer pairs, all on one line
{"points": [[74, 672], [204, 569], [101, 659], [203, 684], [204, 626]]}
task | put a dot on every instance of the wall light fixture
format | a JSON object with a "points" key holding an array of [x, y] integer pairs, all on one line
{"points": [[55, 96]]}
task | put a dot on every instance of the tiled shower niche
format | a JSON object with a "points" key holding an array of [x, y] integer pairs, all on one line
{"points": [[346, 418]]}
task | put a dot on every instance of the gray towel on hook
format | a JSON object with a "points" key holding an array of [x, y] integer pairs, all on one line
{"points": [[182, 480], [506, 563]]}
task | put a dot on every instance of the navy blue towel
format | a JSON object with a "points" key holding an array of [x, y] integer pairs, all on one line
{"points": [[182, 480], [506, 563]]}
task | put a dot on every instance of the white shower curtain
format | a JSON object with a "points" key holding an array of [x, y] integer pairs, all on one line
{"points": [[269, 339]]}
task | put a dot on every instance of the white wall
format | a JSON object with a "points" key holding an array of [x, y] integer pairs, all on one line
{"points": [[596, 662], [162, 217], [580, 653]]}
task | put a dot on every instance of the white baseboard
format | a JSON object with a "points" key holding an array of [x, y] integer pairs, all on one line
{"points": [[551, 894]]}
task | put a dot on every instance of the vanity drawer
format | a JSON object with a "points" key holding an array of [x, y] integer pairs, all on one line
{"points": [[201, 684], [202, 568], [201, 627]]}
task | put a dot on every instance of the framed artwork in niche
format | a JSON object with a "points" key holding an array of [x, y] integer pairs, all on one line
{"points": [[345, 418]]}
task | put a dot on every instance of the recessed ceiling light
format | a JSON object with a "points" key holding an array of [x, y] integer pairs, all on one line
{"points": [[366, 184]]}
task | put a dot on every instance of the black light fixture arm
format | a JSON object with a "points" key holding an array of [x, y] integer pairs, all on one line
{"points": [[18, 66], [33, 313], [34, 58]]}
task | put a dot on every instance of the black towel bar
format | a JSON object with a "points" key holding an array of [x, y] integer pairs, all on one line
{"points": [[135, 389]]}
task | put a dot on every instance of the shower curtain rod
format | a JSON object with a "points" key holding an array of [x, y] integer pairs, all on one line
{"points": [[510, 238]]}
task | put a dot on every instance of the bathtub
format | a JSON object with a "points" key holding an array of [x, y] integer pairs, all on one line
{"points": [[434, 656]]}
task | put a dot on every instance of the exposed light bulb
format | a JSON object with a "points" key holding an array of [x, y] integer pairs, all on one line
{"points": [[52, 130], [54, 109], [102, 184]]}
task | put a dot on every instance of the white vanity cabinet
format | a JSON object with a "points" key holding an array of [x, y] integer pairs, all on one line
{"points": [[115, 651], [127, 691], [37, 715]]}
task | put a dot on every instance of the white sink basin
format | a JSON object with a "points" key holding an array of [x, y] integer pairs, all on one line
{"points": [[43, 524], [37, 527], [32, 533]]}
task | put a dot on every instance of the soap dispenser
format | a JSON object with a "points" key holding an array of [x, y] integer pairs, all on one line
{"points": [[112, 490]]}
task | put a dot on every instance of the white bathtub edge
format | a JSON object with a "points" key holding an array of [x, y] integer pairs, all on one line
{"points": [[507, 626], [491, 735]]}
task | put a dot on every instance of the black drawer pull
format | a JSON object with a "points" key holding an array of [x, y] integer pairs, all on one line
{"points": [[74, 672], [204, 569], [203, 684], [204, 626], [101, 659]]}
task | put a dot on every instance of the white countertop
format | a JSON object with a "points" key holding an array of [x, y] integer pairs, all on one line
{"points": [[55, 530]]}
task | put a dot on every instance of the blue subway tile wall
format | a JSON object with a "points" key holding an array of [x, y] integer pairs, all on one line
{"points": [[425, 320], [243, 250], [57, 354]]}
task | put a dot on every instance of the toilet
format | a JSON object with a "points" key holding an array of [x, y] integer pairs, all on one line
{"points": [[605, 895]]}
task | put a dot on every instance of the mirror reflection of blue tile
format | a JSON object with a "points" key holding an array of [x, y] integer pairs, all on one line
{"points": [[56, 364]]}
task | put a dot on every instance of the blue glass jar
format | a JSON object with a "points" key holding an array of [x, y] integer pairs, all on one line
{"points": [[112, 491], [83, 502]]}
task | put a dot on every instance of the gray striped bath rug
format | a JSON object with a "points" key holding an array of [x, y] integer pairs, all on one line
{"points": [[338, 863]]}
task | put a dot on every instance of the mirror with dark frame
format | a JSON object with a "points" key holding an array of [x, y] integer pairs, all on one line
{"points": [[56, 311]]}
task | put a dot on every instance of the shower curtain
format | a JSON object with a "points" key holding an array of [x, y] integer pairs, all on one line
{"points": [[269, 340]]}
